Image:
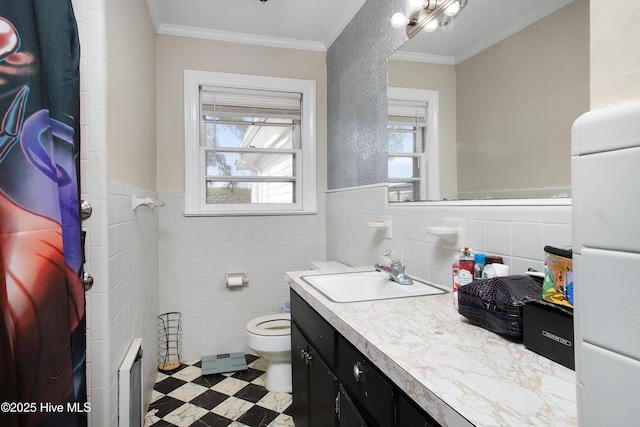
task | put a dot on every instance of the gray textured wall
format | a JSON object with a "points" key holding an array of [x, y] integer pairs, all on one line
{"points": [[357, 96]]}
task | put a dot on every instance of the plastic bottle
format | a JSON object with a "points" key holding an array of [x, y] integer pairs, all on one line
{"points": [[465, 264], [456, 284], [479, 262], [488, 272]]}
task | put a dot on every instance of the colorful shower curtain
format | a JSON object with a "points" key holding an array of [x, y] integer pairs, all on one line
{"points": [[42, 321]]}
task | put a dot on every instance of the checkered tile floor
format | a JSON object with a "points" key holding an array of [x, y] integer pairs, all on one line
{"points": [[184, 397]]}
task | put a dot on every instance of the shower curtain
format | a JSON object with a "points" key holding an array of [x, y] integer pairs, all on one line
{"points": [[42, 321]]}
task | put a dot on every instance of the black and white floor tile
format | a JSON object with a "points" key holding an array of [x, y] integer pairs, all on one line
{"points": [[185, 398]]}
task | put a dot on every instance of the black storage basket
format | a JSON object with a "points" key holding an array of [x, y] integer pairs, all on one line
{"points": [[496, 304]]}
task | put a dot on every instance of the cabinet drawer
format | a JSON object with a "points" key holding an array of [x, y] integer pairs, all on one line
{"points": [[317, 330], [368, 386]]}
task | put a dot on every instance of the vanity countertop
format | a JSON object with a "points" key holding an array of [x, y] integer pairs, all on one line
{"points": [[459, 373]]}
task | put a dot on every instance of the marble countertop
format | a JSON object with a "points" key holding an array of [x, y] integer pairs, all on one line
{"points": [[461, 374]]}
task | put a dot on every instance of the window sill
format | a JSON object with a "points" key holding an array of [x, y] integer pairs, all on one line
{"points": [[245, 213]]}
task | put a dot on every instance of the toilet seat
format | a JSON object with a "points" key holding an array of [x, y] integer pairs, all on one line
{"points": [[270, 325]]}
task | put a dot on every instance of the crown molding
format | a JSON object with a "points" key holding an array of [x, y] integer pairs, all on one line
{"points": [[201, 33], [423, 57]]}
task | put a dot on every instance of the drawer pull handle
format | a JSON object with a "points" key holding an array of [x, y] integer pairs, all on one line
{"points": [[305, 356], [358, 374]]}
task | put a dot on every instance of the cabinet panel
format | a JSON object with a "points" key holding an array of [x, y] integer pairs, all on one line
{"points": [[322, 392], [408, 414], [300, 378], [368, 386], [317, 330], [348, 416]]}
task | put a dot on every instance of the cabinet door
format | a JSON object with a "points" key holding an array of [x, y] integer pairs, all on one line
{"points": [[314, 385], [348, 415], [322, 392], [408, 414], [300, 378]]}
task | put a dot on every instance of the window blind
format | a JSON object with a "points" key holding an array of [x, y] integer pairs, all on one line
{"points": [[407, 112], [216, 102]]}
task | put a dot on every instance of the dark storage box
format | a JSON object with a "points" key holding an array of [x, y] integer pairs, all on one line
{"points": [[548, 330]]}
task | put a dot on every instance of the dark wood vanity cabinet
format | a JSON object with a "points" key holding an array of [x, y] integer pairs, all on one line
{"points": [[314, 385], [335, 385]]}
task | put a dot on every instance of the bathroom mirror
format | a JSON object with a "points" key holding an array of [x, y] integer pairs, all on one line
{"points": [[507, 96]]}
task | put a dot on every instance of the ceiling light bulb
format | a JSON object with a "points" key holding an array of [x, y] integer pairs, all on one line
{"points": [[416, 4], [453, 9], [431, 26], [398, 20]]}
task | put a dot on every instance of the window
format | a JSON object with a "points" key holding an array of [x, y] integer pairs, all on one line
{"points": [[250, 144], [412, 135]]}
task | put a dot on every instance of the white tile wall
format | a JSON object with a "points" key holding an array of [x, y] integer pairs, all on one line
{"points": [[609, 280], [121, 246], [133, 280], [605, 181], [608, 389], [608, 195], [517, 233], [101, 381], [196, 252]]}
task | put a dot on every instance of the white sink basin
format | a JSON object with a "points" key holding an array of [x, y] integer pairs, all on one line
{"points": [[366, 286]]}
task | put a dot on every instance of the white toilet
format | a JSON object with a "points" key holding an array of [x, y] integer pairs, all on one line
{"points": [[270, 337]]}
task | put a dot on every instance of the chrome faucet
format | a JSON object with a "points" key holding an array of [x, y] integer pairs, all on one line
{"points": [[395, 270]]}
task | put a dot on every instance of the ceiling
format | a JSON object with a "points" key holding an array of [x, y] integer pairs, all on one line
{"points": [[315, 24], [298, 24]]}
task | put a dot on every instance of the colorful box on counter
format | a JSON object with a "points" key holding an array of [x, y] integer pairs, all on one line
{"points": [[558, 276]]}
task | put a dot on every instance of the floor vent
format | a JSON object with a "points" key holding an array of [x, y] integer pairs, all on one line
{"points": [[130, 411]]}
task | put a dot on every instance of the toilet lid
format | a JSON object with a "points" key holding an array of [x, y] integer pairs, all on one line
{"points": [[270, 325]]}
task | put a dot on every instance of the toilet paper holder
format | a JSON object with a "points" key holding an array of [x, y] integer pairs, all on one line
{"points": [[234, 280]]}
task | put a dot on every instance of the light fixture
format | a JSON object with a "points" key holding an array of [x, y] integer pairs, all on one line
{"points": [[453, 9], [431, 26], [398, 20], [427, 14]]}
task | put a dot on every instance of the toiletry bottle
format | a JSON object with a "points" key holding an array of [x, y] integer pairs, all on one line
{"points": [[493, 259], [479, 262], [488, 272], [465, 263], [456, 284]]}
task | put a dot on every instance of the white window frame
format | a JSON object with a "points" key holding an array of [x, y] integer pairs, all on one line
{"points": [[195, 170], [431, 159]]}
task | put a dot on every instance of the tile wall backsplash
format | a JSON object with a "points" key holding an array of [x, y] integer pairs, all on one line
{"points": [[196, 252], [517, 233]]}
